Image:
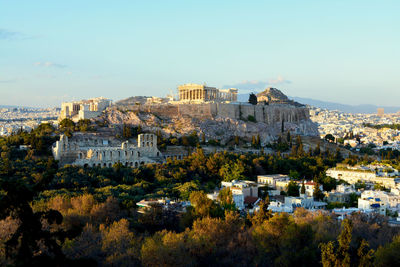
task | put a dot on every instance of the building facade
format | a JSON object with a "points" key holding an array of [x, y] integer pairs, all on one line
{"points": [[378, 201], [84, 109], [97, 151], [354, 175], [241, 190], [192, 92]]}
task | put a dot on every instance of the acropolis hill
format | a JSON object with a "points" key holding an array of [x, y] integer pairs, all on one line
{"points": [[214, 113]]}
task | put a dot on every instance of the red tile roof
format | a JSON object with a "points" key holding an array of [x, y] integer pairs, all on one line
{"points": [[250, 200]]}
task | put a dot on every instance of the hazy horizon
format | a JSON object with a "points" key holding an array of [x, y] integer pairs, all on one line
{"points": [[342, 51]]}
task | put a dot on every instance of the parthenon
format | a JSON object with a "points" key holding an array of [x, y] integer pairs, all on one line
{"points": [[192, 92]]}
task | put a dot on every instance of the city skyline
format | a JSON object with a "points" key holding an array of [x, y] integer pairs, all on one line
{"points": [[342, 52]]}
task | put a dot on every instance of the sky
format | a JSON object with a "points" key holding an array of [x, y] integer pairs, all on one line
{"points": [[344, 51]]}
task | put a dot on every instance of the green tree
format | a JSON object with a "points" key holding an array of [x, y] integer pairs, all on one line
{"points": [[126, 131], [340, 256], [236, 140], [67, 125], [388, 255], [303, 188], [263, 214], [253, 99], [201, 203], [318, 194], [226, 199], [329, 137], [293, 189], [317, 150], [365, 255], [233, 171], [23, 245]]}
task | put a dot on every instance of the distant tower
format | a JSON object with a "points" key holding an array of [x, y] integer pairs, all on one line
{"points": [[381, 112]]}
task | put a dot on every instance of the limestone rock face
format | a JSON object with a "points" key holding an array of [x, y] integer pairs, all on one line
{"points": [[273, 95], [217, 121]]}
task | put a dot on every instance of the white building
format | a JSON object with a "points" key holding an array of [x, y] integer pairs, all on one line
{"points": [[291, 203], [241, 190], [363, 174], [270, 180], [378, 201], [310, 188]]}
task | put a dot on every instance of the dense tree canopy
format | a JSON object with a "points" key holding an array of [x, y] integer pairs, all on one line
{"points": [[51, 215]]}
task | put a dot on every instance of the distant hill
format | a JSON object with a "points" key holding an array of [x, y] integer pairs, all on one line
{"points": [[6, 106], [12, 106], [365, 108]]}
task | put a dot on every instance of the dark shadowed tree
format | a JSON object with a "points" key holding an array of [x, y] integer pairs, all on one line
{"points": [[253, 99]]}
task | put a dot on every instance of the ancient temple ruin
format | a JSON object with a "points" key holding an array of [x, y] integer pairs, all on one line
{"points": [[192, 92], [91, 150]]}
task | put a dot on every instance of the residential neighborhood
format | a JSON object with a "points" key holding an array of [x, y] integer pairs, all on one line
{"points": [[14, 119], [357, 130]]}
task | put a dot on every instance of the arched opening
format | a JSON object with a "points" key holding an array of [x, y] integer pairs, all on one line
{"points": [[94, 165], [142, 163], [105, 165], [85, 166], [126, 153], [151, 144], [138, 154], [126, 164], [136, 164], [147, 144], [158, 154], [109, 165], [131, 164]]}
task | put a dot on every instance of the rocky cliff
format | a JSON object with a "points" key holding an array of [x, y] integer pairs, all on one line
{"points": [[273, 95], [220, 121]]}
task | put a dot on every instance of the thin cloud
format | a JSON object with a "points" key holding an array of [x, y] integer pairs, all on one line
{"points": [[278, 80], [13, 35], [8, 81], [255, 85], [50, 65]]}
